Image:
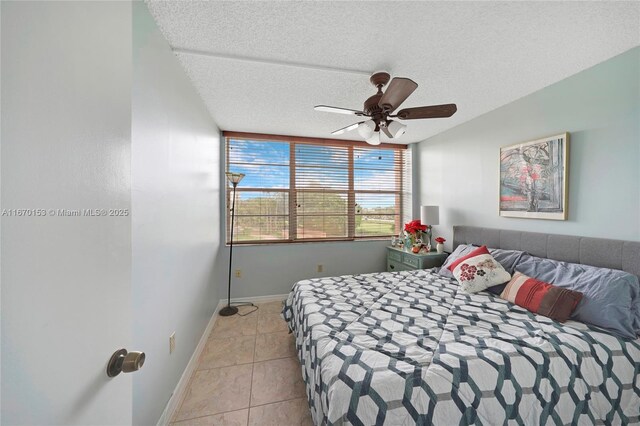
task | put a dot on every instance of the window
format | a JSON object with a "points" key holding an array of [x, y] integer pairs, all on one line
{"points": [[305, 189]]}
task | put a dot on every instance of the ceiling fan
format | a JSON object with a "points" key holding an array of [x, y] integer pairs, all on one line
{"points": [[379, 108]]}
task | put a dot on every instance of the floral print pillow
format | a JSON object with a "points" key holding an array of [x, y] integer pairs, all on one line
{"points": [[480, 272]]}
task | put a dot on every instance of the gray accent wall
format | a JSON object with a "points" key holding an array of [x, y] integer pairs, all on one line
{"points": [[599, 107], [175, 223]]}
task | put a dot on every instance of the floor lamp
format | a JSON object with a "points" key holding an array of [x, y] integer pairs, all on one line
{"points": [[235, 179]]}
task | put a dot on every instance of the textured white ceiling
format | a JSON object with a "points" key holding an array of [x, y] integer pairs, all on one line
{"points": [[479, 55]]}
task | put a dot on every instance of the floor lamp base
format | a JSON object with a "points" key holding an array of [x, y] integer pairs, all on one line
{"points": [[228, 311]]}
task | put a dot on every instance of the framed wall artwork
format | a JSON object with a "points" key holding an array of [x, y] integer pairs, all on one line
{"points": [[534, 178]]}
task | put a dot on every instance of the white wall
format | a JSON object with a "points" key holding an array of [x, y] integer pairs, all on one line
{"points": [[175, 223], [66, 281], [600, 107]]}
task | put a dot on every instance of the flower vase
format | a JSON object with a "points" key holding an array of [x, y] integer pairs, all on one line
{"points": [[407, 243], [440, 248]]}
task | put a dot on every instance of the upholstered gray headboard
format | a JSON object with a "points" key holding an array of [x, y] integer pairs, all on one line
{"points": [[604, 253]]}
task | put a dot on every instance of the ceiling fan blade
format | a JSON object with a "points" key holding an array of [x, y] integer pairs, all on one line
{"points": [[327, 108], [346, 129], [386, 131], [398, 91], [433, 111]]}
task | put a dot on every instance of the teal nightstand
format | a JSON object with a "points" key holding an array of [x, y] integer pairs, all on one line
{"points": [[400, 260]]}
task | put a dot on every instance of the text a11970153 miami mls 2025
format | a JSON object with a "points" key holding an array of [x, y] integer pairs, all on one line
{"points": [[58, 212]]}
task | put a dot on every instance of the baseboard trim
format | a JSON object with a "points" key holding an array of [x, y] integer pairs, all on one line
{"points": [[181, 388], [258, 299]]}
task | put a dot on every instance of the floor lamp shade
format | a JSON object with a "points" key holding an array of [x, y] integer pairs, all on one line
{"points": [[234, 178], [430, 215]]}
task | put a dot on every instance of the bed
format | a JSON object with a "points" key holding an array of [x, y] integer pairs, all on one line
{"points": [[405, 348]]}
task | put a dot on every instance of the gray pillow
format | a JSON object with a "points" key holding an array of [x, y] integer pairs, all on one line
{"points": [[507, 258], [611, 298], [461, 250]]}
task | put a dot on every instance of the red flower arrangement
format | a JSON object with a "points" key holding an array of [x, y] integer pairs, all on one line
{"points": [[414, 226], [440, 240], [414, 230]]}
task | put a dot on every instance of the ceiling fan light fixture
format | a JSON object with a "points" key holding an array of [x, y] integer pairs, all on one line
{"points": [[379, 109], [374, 139], [367, 129], [396, 129]]}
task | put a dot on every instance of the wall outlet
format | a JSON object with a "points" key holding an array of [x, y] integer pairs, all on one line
{"points": [[238, 273], [172, 342], [320, 268]]}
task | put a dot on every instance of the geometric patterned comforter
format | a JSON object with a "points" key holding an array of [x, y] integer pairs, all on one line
{"points": [[406, 348]]}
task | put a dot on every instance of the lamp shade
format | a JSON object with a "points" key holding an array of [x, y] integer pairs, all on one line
{"points": [[375, 139], [366, 129], [396, 129], [429, 215], [234, 178]]}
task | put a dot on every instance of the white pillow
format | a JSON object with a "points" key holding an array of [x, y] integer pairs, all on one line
{"points": [[479, 272], [461, 250]]}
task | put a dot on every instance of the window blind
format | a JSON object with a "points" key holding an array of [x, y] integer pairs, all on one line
{"points": [[305, 189]]}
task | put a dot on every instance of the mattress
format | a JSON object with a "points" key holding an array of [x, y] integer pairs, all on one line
{"points": [[408, 348]]}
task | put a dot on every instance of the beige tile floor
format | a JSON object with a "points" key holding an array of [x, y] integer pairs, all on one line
{"points": [[248, 374]]}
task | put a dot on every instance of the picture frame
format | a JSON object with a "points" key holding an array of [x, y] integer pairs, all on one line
{"points": [[534, 178]]}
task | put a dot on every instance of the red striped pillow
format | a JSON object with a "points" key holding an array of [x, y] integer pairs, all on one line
{"points": [[541, 298]]}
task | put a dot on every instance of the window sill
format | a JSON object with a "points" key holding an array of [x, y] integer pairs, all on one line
{"points": [[280, 243]]}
